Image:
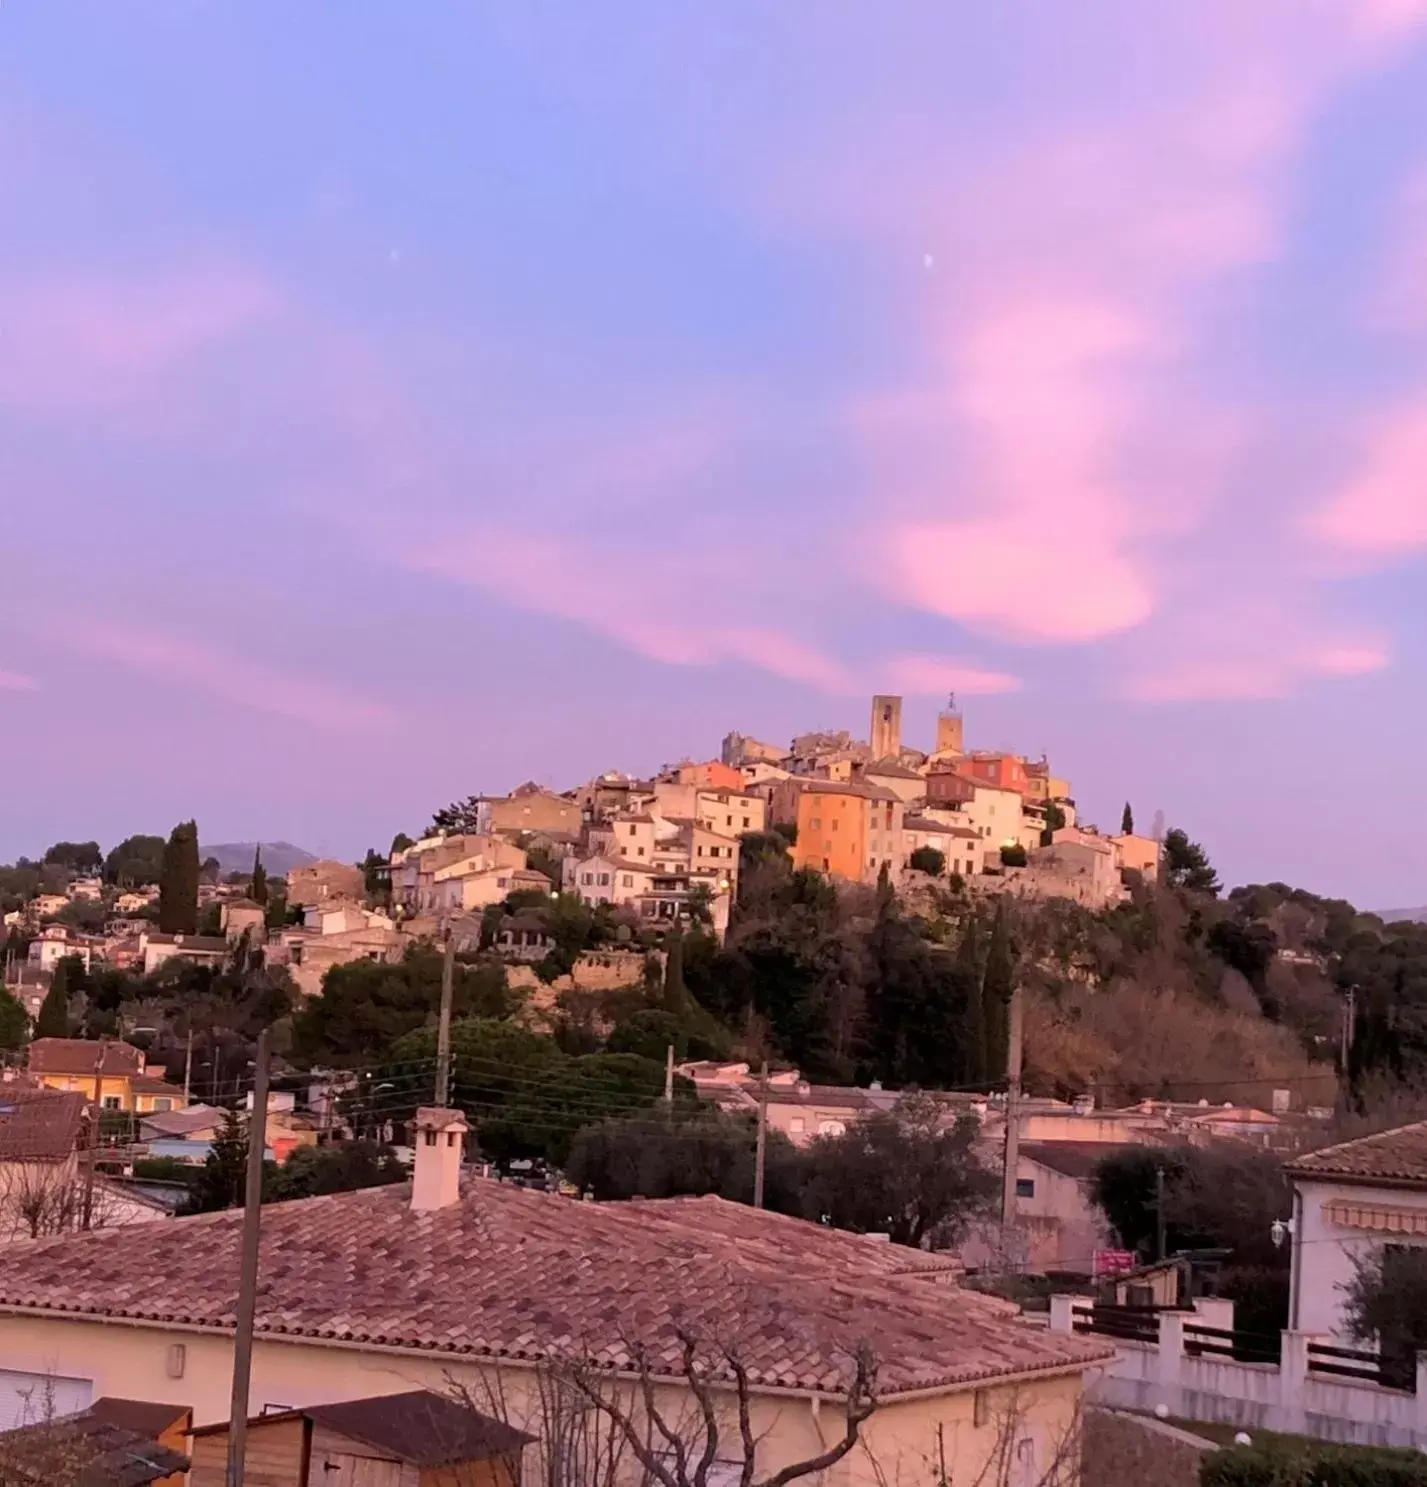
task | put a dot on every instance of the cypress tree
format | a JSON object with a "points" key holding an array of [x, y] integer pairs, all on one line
{"points": [[1127, 821], [178, 881], [997, 987], [53, 1018], [258, 892], [675, 993], [969, 976]]}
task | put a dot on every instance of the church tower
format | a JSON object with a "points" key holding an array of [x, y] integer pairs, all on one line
{"points": [[949, 736], [886, 727]]}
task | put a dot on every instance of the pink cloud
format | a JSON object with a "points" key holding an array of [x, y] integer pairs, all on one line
{"points": [[17, 681], [88, 342], [1249, 650], [1382, 511], [233, 679], [1399, 300], [927, 676]]}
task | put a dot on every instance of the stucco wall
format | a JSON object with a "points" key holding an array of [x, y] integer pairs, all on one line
{"points": [[1324, 1252], [899, 1445]]}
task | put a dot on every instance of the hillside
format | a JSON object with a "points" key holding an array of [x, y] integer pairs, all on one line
{"points": [[279, 858]]}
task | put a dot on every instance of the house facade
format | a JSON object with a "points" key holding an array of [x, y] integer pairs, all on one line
{"points": [[110, 1074], [1350, 1202], [483, 1286]]}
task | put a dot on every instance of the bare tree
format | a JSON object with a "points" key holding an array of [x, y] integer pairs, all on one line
{"points": [[39, 1199], [648, 1425]]}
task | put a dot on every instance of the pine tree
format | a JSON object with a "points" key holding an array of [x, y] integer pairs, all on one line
{"points": [[998, 986], [221, 1182], [178, 881], [258, 892], [53, 1018], [969, 975], [1127, 821]]}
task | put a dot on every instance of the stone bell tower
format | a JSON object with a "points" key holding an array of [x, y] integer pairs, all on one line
{"points": [[886, 738]]}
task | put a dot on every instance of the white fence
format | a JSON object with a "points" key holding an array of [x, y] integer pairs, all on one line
{"points": [[1288, 1395]]}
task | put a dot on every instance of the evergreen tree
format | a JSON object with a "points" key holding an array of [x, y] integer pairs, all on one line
{"points": [[676, 996], [53, 1019], [258, 892], [969, 975], [221, 1182], [14, 1022], [178, 882], [1127, 821], [997, 987]]}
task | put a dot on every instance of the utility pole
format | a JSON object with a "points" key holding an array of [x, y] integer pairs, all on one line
{"points": [[1159, 1221], [1013, 1123], [1350, 1022], [760, 1155], [188, 1068], [86, 1218], [248, 1270], [669, 1083], [443, 1027]]}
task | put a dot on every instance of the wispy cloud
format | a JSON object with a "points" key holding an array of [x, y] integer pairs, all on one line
{"points": [[1382, 511], [17, 681], [201, 667]]}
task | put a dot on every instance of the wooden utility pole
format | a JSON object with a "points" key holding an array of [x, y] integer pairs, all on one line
{"points": [[760, 1156], [443, 1026], [669, 1083], [1013, 1122], [1350, 1022], [188, 1068], [1160, 1226], [95, 1124], [248, 1267]]}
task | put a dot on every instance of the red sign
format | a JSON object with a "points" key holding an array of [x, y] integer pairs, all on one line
{"points": [[1113, 1262]]}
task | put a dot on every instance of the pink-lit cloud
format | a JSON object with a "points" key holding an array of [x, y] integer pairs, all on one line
{"points": [[81, 341], [200, 667], [17, 681], [1382, 511], [1247, 650], [930, 676]]}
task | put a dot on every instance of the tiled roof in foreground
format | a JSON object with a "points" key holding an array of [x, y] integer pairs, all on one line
{"points": [[521, 1275], [1396, 1156]]}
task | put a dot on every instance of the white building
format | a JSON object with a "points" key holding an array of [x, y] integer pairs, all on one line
{"points": [[1351, 1200]]}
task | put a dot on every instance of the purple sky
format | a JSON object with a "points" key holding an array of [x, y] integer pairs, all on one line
{"points": [[400, 400]]}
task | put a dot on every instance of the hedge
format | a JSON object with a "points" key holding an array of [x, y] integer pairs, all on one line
{"points": [[1313, 1464]]}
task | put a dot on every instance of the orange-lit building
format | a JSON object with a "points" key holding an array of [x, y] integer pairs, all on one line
{"points": [[711, 775], [1005, 771], [848, 830]]}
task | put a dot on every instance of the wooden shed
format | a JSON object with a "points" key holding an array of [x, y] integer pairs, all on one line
{"points": [[394, 1440]]}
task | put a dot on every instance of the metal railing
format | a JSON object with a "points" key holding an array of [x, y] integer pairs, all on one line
{"points": [[1386, 1370]]}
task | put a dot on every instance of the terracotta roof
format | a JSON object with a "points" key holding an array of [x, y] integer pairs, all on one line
{"points": [[38, 1125], [181, 1122], [892, 769], [84, 1056], [1390, 1157], [1077, 1159], [852, 787], [148, 1084], [513, 1273], [418, 1427], [197, 944]]}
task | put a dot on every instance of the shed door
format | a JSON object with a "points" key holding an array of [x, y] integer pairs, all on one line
{"points": [[32, 1398], [338, 1469]]}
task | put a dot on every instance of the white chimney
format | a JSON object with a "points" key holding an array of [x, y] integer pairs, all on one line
{"points": [[436, 1182]]}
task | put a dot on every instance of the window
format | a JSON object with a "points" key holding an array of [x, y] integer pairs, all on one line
{"points": [[632, 829], [826, 864], [834, 823], [501, 882], [796, 1124], [816, 823], [698, 851], [111, 1102], [745, 823], [1025, 1187], [629, 880], [641, 851], [163, 1103], [587, 878], [604, 880], [831, 1128]]}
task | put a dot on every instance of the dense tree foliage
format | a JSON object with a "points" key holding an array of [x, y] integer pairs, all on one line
{"points": [[79, 857], [366, 1006], [178, 881], [14, 1021], [1187, 866], [137, 862], [928, 860]]}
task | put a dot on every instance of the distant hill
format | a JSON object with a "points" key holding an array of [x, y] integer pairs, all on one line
{"points": [[237, 857], [1391, 916]]}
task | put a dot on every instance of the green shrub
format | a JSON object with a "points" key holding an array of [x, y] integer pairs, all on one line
{"points": [[1313, 1464]]}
